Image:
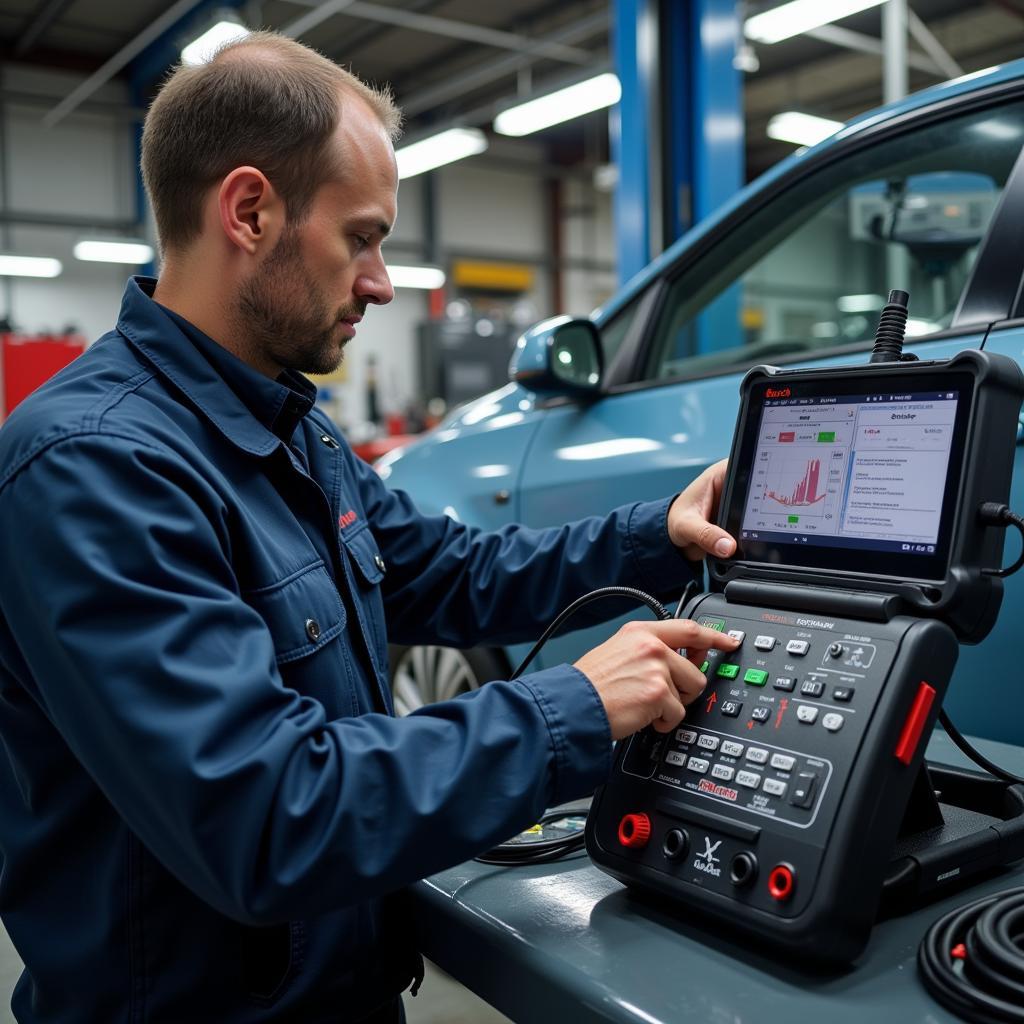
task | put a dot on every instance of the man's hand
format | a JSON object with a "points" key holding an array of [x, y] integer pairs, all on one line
{"points": [[690, 515], [643, 680]]}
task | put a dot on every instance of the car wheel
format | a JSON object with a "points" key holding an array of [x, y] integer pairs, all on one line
{"points": [[425, 675]]}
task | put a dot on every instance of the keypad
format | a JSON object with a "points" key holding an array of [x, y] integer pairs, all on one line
{"points": [[812, 688], [764, 643], [761, 714], [731, 708], [786, 683], [708, 742], [797, 647], [757, 755], [728, 670], [755, 676], [731, 748]]}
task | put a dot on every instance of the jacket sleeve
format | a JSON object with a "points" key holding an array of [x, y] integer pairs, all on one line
{"points": [[123, 622], [453, 584]]}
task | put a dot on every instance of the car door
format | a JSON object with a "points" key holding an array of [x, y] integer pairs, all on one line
{"points": [[798, 276]]}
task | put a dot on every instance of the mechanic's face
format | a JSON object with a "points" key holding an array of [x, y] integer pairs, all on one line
{"points": [[301, 306]]}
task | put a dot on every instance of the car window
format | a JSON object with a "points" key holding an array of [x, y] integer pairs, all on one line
{"points": [[813, 268]]}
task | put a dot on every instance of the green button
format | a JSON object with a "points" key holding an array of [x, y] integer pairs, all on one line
{"points": [[704, 667], [718, 624], [756, 677], [826, 435], [727, 671], [792, 519]]}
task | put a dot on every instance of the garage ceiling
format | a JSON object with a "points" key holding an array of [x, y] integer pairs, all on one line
{"points": [[462, 59]]}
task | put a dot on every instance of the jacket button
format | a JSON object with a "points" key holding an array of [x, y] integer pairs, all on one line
{"points": [[379, 562], [328, 440], [313, 629]]}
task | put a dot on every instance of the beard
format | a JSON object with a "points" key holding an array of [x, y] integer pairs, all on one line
{"points": [[286, 319]]}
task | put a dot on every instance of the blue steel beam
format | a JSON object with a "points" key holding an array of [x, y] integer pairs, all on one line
{"points": [[677, 134]]}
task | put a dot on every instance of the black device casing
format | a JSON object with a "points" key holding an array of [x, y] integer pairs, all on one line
{"points": [[839, 856]]}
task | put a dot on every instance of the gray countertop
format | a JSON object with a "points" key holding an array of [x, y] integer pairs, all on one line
{"points": [[564, 942]]}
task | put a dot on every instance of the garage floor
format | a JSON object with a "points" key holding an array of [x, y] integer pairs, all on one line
{"points": [[441, 1000]]}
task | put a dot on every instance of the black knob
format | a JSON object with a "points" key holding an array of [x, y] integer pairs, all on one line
{"points": [[835, 650]]}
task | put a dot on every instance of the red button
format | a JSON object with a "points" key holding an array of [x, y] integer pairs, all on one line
{"points": [[915, 723], [781, 882], [635, 830]]}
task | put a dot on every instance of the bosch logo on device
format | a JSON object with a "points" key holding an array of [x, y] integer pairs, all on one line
{"points": [[777, 393]]}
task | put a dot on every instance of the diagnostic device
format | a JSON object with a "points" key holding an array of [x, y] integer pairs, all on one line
{"points": [[795, 789]]}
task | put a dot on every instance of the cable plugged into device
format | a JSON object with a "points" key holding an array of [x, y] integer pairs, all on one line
{"points": [[891, 330], [993, 513]]}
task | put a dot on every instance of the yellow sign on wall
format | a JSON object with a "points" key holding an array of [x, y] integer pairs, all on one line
{"points": [[498, 277]]}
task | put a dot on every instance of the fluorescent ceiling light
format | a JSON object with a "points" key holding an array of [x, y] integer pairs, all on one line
{"points": [[200, 50], [29, 266], [99, 251], [801, 16], [416, 277], [556, 107], [801, 129], [438, 150]]}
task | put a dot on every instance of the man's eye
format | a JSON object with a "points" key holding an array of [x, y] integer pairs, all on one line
{"points": [[362, 240]]}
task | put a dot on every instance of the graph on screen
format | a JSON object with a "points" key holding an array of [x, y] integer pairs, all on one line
{"points": [[805, 494]]}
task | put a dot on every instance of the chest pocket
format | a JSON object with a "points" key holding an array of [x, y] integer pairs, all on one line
{"points": [[369, 569], [303, 612]]}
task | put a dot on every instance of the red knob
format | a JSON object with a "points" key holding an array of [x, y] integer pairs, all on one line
{"points": [[635, 830], [781, 882]]}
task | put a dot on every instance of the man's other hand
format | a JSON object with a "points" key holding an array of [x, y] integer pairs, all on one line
{"points": [[690, 516], [643, 680]]}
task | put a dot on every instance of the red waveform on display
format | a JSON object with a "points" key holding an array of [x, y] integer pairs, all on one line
{"points": [[805, 492]]}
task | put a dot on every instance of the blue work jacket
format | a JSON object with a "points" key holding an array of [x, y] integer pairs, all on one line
{"points": [[207, 809]]}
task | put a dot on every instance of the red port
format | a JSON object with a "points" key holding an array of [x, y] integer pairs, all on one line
{"points": [[635, 830], [780, 882]]}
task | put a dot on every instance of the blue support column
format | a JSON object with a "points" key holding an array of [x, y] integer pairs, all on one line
{"points": [[632, 130], [677, 135]]}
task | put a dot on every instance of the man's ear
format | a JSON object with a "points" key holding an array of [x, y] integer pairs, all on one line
{"points": [[251, 212]]}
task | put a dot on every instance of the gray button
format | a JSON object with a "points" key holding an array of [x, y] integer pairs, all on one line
{"points": [[773, 787], [698, 765], [833, 722], [313, 629], [749, 779], [379, 562], [708, 742], [764, 643], [723, 771], [674, 757], [736, 634], [686, 735], [757, 755], [732, 749], [805, 713], [783, 762], [797, 647]]}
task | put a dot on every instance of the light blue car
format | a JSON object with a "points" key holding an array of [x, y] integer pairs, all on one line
{"points": [[925, 195]]}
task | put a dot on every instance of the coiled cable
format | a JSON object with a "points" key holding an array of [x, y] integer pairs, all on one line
{"points": [[972, 959]]}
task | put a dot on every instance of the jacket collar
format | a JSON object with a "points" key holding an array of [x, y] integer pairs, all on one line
{"points": [[251, 410]]}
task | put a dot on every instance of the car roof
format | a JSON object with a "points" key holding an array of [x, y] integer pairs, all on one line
{"points": [[974, 82]]}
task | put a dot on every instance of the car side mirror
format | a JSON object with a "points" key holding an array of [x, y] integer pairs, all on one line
{"points": [[559, 356]]}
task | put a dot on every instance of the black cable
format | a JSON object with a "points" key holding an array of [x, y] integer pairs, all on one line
{"points": [[595, 595], [992, 513], [516, 851], [975, 755], [972, 959]]}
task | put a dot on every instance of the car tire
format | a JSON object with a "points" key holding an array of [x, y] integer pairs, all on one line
{"points": [[427, 674]]}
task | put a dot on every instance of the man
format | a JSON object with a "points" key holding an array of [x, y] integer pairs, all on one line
{"points": [[207, 811]]}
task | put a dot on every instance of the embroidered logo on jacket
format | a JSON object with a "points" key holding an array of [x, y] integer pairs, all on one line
{"points": [[347, 518]]}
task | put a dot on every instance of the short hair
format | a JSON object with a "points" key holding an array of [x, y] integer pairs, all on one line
{"points": [[264, 100]]}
